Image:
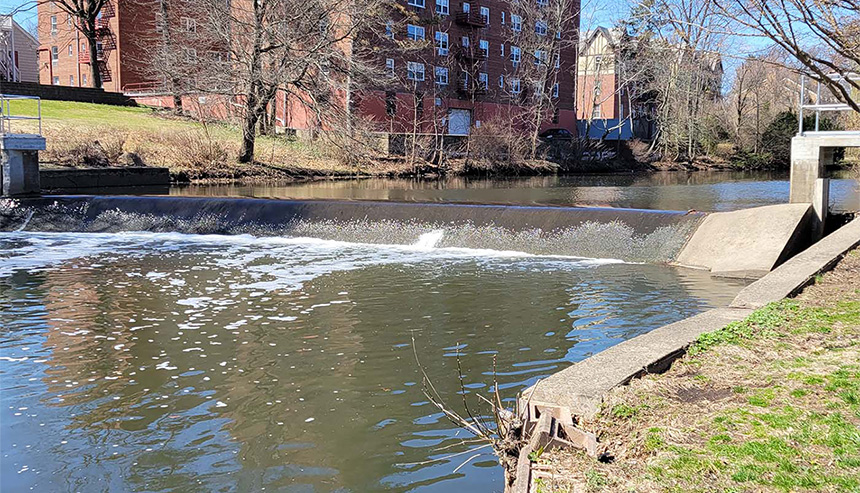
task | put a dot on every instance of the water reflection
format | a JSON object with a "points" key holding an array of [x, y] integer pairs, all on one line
{"points": [[193, 364], [704, 190]]}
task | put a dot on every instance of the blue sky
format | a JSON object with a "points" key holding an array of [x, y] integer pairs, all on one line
{"points": [[603, 12]]}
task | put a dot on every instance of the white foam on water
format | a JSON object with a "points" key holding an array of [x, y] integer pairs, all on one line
{"points": [[272, 263]]}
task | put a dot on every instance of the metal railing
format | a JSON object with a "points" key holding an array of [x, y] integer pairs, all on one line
{"points": [[7, 117], [824, 102]]}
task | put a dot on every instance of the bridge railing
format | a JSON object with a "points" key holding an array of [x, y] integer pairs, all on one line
{"points": [[824, 99], [7, 116]]}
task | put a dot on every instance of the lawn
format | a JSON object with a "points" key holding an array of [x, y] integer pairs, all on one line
{"points": [[84, 135], [771, 403]]}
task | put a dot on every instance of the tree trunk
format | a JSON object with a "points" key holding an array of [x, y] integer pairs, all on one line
{"points": [[167, 42], [249, 136], [92, 41]]}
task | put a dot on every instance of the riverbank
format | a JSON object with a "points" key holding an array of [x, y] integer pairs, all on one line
{"points": [[771, 403]]}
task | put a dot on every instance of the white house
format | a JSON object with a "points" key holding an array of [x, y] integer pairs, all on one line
{"points": [[19, 52]]}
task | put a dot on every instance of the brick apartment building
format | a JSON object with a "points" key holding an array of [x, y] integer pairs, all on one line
{"points": [[466, 75]]}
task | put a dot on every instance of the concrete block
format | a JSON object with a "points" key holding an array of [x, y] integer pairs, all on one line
{"points": [[821, 206], [750, 240], [792, 276], [19, 164]]}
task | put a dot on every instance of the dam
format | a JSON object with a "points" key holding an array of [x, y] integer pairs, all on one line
{"points": [[219, 343]]}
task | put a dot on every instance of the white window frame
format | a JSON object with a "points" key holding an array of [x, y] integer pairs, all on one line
{"points": [[483, 80], [540, 28], [189, 24], [72, 80], [485, 15], [502, 45], [467, 7], [389, 67], [503, 17], [56, 80], [441, 76], [443, 7], [540, 57], [516, 56], [53, 25], [417, 3], [543, 3], [501, 82], [415, 33], [389, 29], [442, 44], [159, 22], [71, 50], [516, 23], [464, 41], [555, 90], [415, 71], [557, 61], [596, 112], [190, 54], [516, 86], [55, 54], [484, 46]]}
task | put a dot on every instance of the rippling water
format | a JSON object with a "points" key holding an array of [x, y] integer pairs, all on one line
{"points": [[169, 362]]}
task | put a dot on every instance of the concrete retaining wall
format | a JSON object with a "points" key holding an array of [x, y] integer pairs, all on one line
{"points": [[63, 93], [101, 178]]}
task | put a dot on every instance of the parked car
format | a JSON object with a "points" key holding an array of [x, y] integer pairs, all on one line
{"points": [[555, 135]]}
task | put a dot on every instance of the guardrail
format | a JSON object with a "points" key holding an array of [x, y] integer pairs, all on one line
{"points": [[826, 102], [6, 116]]}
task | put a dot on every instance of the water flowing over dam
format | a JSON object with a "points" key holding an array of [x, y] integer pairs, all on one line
{"points": [[626, 234]]}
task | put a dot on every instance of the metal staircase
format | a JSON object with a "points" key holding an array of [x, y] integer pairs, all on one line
{"points": [[106, 42]]}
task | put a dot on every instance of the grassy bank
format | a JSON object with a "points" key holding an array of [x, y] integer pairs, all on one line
{"points": [[771, 403], [92, 135]]}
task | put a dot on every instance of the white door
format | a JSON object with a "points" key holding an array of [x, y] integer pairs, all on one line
{"points": [[459, 122]]}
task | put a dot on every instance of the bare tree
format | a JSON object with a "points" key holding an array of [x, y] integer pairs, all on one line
{"points": [[86, 15], [822, 35]]}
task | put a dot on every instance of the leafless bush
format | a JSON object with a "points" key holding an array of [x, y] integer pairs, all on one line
{"points": [[496, 141], [87, 149], [199, 152]]}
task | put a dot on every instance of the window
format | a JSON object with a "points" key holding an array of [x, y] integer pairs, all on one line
{"points": [[464, 41], [538, 89], [501, 81], [503, 49], [55, 54], [484, 46], [441, 43], [389, 66], [515, 56], [415, 33], [190, 54], [483, 80], [503, 17], [516, 23], [69, 20], [417, 3], [466, 7], [464, 80], [71, 80], [54, 26], [485, 15], [389, 29], [557, 61], [84, 79], [415, 71], [558, 34], [540, 57], [390, 103], [540, 28], [516, 87], [442, 7], [71, 50], [189, 24], [543, 3], [555, 90], [442, 76], [595, 112], [56, 80]]}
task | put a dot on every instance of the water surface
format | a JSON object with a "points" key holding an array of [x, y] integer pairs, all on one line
{"points": [[704, 191], [195, 363]]}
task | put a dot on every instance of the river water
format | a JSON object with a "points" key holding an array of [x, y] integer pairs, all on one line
{"points": [[195, 363], [708, 191]]}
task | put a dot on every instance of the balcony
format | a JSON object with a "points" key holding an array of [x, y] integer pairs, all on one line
{"points": [[472, 53], [471, 19]]}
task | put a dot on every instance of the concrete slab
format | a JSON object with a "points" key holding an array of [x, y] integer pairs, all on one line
{"points": [[749, 240], [582, 386], [792, 276]]}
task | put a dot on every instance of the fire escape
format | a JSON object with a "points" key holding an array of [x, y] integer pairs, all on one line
{"points": [[472, 57], [106, 42]]}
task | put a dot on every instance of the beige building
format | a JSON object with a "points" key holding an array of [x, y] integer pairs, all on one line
{"points": [[19, 52]]}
